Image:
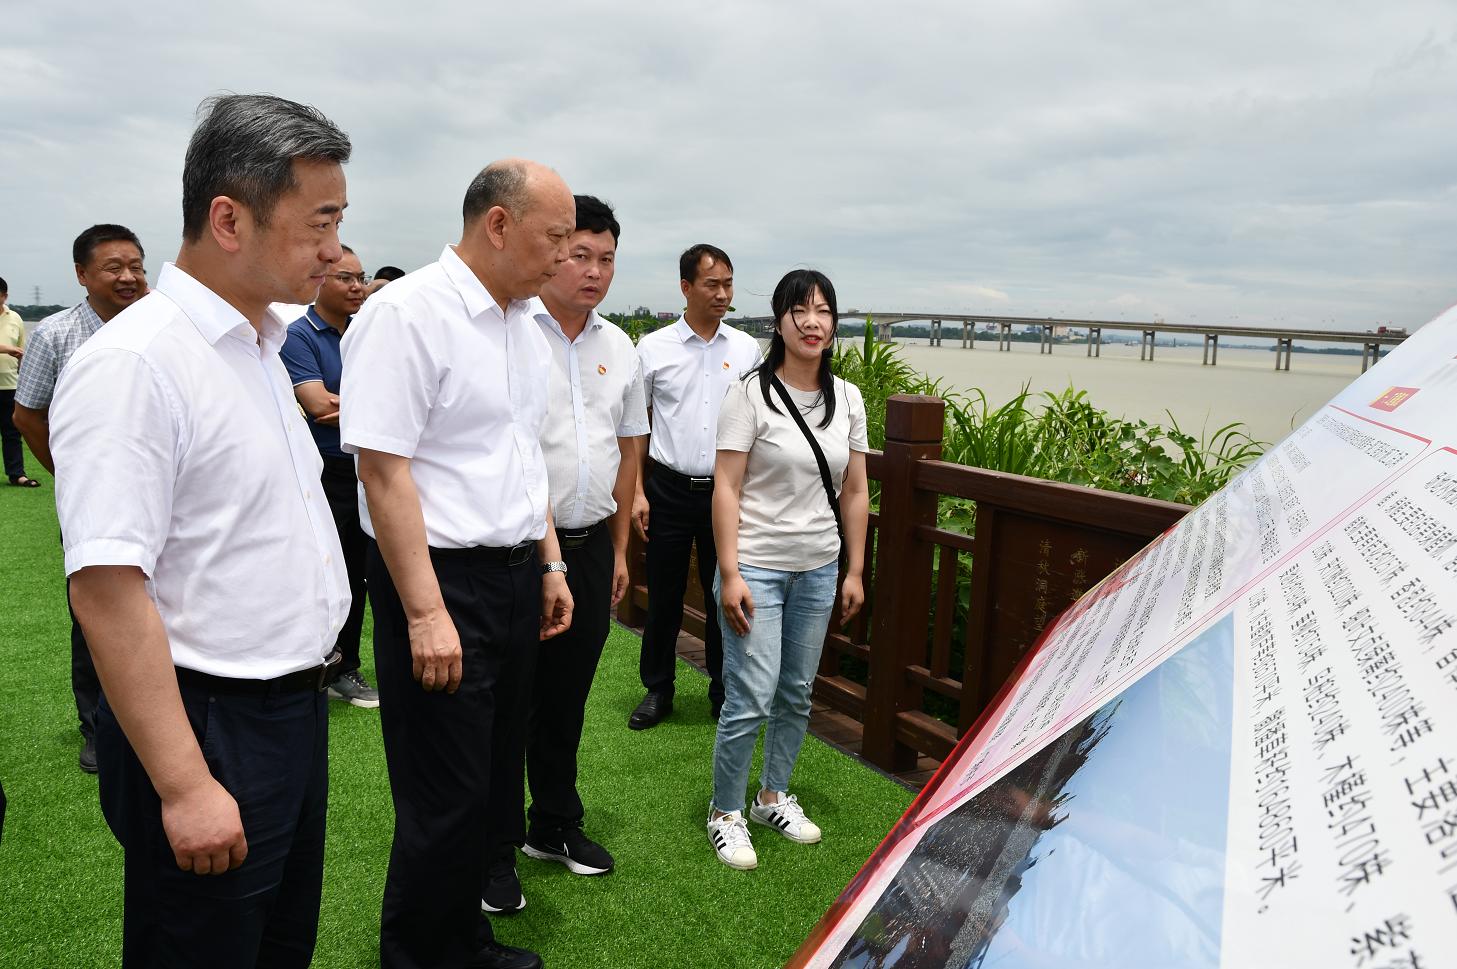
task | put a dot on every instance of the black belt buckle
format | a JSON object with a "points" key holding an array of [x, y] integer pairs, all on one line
{"points": [[576, 537], [330, 662], [520, 553], [700, 484]]}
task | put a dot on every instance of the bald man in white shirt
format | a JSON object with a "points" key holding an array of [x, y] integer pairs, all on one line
{"points": [[596, 414], [443, 398]]}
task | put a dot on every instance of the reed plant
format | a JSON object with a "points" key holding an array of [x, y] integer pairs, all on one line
{"points": [[1057, 436]]}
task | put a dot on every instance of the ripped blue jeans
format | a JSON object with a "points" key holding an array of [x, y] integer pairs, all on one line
{"points": [[768, 675]]}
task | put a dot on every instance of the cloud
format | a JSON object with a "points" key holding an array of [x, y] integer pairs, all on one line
{"points": [[1273, 161], [971, 291]]}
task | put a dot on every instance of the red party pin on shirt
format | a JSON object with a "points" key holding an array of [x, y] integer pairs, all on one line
{"points": [[602, 369], [725, 364]]}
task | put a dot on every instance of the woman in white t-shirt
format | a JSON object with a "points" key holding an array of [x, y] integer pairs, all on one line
{"points": [[778, 540]]}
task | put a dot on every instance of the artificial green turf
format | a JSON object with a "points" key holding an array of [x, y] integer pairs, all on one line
{"points": [[669, 903]]}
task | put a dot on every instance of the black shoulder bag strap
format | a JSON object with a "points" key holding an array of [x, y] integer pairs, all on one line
{"points": [[819, 457]]}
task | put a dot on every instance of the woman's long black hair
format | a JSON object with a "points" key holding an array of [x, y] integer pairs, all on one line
{"points": [[797, 288]]}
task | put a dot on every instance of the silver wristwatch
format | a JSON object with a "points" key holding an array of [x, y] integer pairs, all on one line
{"points": [[554, 567]]}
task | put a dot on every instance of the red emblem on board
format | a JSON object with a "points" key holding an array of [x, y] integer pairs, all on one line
{"points": [[1394, 398]]}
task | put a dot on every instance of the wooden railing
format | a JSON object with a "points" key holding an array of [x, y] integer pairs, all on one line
{"points": [[948, 615]]}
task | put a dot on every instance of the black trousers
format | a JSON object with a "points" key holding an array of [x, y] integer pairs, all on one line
{"points": [[10, 440], [565, 667], [439, 748], [271, 752], [341, 488], [678, 517], [85, 684]]}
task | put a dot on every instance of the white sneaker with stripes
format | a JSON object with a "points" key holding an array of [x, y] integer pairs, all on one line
{"points": [[729, 836], [787, 817]]}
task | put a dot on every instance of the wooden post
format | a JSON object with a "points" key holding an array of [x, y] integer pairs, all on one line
{"points": [[913, 431]]}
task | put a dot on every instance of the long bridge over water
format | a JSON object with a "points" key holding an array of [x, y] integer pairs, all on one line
{"points": [[1371, 343]]}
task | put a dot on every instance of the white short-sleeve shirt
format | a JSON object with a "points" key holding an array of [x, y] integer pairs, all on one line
{"points": [[596, 397], [434, 371], [785, 519], [685, 378], [180, 450]]}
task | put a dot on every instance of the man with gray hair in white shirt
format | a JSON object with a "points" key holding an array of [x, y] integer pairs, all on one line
{"points": [[204, 564]]}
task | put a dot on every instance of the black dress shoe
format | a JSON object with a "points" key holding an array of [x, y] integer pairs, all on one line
{"points": [[494, 955], [88, 755], [651, 711]]}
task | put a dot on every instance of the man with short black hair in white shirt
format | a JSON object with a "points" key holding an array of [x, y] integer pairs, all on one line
{"points": [[205, 569], [687, 368], [596, 412], [443, 397]]}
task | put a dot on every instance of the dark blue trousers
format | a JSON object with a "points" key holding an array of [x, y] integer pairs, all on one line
{"points": [[271, 752], [442, 748], [541, 732], [677, 519]]}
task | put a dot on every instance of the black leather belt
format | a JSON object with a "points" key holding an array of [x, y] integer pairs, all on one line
{"points": [[313, 680], [518, 554], [689, 482], [577, 537]]}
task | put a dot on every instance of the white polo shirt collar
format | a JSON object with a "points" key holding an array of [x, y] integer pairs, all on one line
{"points": [[543, 315], [685, 332], [477, 300], [213, 316]]}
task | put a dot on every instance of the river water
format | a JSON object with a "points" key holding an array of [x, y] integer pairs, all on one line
{"points": [[1244, 386]]}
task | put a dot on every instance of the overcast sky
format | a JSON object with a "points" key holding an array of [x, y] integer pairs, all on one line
{"points": [[1283, 163]]}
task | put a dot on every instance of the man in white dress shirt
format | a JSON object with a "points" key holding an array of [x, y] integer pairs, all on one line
{"points": [[687, 368], [596, 411], [443, 397], [204, 565]]}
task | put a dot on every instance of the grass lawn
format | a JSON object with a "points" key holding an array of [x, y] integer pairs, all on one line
{"points": [[669, 903]]}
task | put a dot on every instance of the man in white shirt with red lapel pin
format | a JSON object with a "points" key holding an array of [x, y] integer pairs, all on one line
{"points": [[687, 368]]}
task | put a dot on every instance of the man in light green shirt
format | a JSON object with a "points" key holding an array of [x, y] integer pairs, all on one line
{"points": [[12, 348]]}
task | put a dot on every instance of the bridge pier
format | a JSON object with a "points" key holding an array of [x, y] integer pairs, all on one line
{"points": [[968, 336], [1095, 339], [1145, 344], [1211, 349], [883, 334], [935, 333], [1283, 347], [1370, 355], [1045, 345], [1004, 336]]}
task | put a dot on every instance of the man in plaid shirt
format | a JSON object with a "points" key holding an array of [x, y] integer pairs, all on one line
{"points": [[108, 262]]}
